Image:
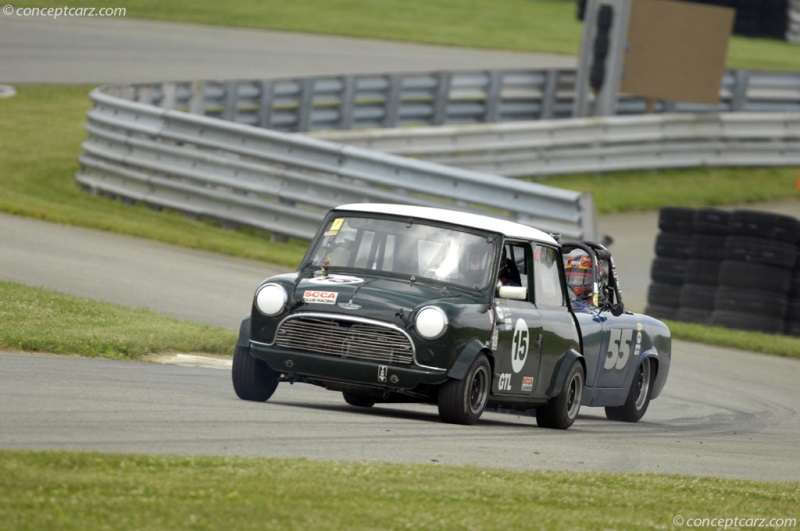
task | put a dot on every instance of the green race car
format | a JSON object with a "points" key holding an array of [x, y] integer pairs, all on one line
{"points": [[396, 303]]}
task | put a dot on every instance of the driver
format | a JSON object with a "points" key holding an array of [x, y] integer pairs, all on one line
{"points": [[578, 270]]}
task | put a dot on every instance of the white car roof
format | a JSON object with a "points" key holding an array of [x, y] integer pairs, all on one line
{"points": [[509, 229]]}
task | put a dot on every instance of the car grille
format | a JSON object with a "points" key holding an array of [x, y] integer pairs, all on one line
{"points": [[347, 339]]}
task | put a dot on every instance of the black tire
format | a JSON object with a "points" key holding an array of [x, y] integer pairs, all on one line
{"points": [[664, 295], [463, 401], [638, 398], [357, 400], [561, 411], [747, 321], [745, 249], [755, 276], [760, 303], [661, 312], [698, 296], [694, 315], [668, 270], [711, 221], [704, 272], [707, 247], [252, 378], [671, 245], [676, 219], [764, 225]]}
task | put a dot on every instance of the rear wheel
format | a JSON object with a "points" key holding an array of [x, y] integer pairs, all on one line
{"points": [[562, 410], [638, 398], [463, 401], [252, 378]]}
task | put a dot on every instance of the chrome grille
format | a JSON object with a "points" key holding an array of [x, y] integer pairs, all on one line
{"points": [[355, 339]]}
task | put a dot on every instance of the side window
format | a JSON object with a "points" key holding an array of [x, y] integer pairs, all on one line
{"points": [[547, 282], [515, 265]]}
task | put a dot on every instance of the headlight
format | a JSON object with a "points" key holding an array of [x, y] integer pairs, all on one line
{"points": [[271, 299], [431, 322]]}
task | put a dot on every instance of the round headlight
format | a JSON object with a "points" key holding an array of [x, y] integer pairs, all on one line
{"points": [[271, 299], [431, 322]]}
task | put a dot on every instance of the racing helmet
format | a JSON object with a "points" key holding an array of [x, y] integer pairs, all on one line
{"points": [[578, 272]]}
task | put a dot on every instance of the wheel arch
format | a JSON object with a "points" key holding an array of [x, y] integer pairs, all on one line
{"points": [[244, 333], [560, 374], [466, 356]]}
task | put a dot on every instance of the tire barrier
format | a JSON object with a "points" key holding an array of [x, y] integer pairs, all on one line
{"points": [[738, 269]]}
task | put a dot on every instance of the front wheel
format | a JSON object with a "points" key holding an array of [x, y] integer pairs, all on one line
{"points": [[357, 400], [252, 378], [562, 410], [638, 398], [463, 401]]}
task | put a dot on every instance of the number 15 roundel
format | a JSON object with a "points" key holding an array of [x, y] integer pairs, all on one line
{"points": [[519, 346]]}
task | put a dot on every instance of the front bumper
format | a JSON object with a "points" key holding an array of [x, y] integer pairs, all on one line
{"points": [[327, 368]]}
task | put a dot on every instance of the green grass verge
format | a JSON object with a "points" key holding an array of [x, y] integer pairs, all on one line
{"points": [[524, 25], [786, 346], [38, 320], [60, 490], [644, 190]]}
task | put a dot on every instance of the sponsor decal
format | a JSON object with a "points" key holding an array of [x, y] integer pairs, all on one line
{"points": [[383, 370], [504, 382], [500, 314], [495, 338], [335, 227], [527, 383], [335, 279], [320, 297], [507, 323], [519, 346]]}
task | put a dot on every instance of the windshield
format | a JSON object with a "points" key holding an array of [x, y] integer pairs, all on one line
{"points": [[406, 247]]}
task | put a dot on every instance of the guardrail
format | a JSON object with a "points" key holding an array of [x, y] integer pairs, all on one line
{"points": [[190, 146], [285, 183], [615, 143], [438, 98]]}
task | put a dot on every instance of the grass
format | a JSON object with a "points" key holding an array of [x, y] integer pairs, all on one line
{"points": [[549, 26], [41, 130], [38, 320], [60, 490], [786, 346], [644, 190]]}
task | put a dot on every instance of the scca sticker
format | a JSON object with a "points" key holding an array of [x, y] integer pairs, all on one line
{"points": [[320, 297]]}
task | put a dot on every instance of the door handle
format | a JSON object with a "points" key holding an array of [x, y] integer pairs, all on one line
{"points": [[538, 343]]}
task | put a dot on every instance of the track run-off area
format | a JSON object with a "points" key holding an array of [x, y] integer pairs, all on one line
{"points": [[723, 413]]}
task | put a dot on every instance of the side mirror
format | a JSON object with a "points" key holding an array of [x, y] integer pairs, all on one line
{"points": [[513, 292]]}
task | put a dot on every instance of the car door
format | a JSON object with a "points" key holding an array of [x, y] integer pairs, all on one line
{"points": [[518, 332]]}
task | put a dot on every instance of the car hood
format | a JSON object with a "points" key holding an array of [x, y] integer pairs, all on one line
{"points": [[378, 297]]}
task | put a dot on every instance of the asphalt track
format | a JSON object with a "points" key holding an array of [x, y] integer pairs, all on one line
{"points": [[723, 413]]}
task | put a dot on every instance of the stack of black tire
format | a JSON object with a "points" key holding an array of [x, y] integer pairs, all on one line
{"points": [[737, 269]]}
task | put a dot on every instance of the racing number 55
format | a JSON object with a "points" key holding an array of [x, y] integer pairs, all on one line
{"points": [[619, 349]]}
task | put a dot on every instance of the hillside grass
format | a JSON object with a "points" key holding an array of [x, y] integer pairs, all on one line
{"points": [[78, 491], [548, 26]]}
